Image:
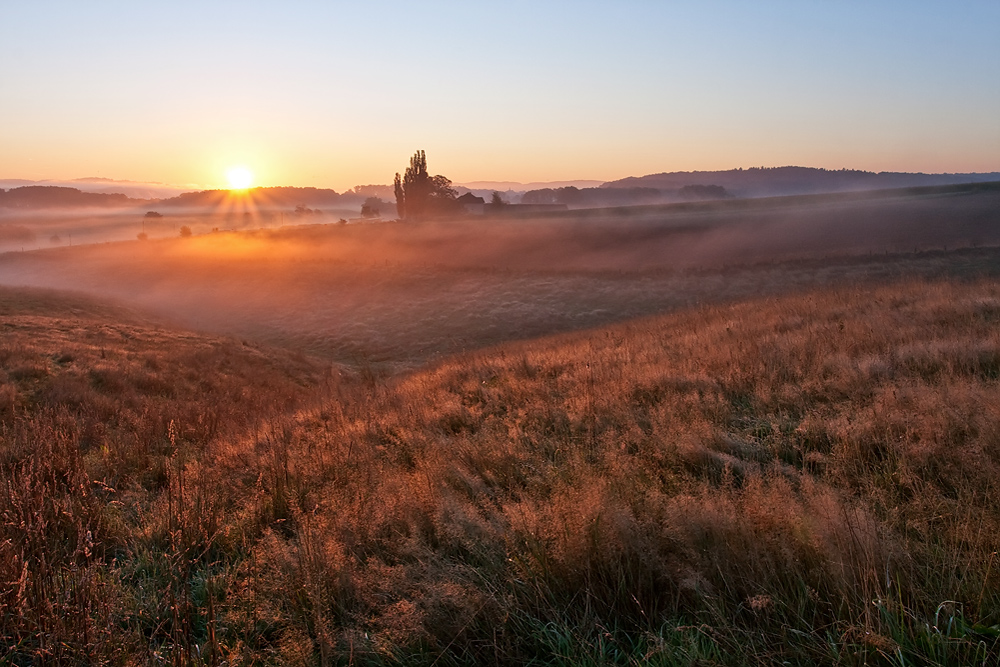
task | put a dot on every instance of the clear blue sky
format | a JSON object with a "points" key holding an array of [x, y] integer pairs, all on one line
{"points": [[335, 94]]}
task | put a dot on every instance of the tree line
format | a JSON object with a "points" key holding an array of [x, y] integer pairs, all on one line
{"points": [[597, 197]]}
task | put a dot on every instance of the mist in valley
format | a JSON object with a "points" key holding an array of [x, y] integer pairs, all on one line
{"points": [[402, 293]]}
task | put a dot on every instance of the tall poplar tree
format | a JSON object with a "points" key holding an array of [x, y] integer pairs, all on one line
{"points": [[397, 186], [411, 193], [417, 193]]}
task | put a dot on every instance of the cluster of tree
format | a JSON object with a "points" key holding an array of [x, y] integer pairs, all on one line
{"points": [[302, 210], [372, 208], [277, 197], [600, 197], [367, 191], [310, 199], [419, 194], [592, 197], [15, 233], [703, 192]]}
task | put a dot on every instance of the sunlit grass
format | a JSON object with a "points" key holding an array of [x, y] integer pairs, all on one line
{"points": [[808, 479]]}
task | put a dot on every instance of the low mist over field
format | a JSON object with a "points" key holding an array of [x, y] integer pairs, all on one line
{"points": [[39, 215], [403, 292]]}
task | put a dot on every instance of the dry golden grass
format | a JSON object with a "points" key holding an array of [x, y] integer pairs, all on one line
{"points": [[806, 479], [102, 412]]}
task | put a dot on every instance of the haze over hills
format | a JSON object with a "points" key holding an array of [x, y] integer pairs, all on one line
{"points": [[49, 196], [524, 187], [266, 197], [652, 188], [52, 196], [398, 294], [97, 184], [773, 181]]}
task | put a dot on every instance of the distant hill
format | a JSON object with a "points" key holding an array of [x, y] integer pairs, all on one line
{"points": [[515, 186], [651, 189], [624, 196], [8, 183], [385, 192], [133, 189], [47, 196], [770, 181], [282, 197]]}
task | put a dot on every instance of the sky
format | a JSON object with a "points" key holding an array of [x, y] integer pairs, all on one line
{"points": [[336, 94]]}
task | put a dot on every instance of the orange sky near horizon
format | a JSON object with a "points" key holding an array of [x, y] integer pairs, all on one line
{"points": [[204, 168], [308, 94]]}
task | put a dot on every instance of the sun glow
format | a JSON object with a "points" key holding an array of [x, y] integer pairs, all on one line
{"points": [[240, 178]]}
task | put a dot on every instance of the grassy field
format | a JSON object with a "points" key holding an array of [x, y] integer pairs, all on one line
{"points": [[807, 478], [719, 434]]}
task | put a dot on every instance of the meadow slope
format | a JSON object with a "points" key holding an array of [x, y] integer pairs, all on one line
{"points": [[808, 478]]}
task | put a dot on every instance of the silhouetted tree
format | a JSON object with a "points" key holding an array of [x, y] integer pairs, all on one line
{"points": [[703, 192], [418, 194], [380, 191], [568, 195], [540, 196], [440, 194], [496, 201], [416, 186], [397, 187], [594, 197], [185, 231], [372, 207]]}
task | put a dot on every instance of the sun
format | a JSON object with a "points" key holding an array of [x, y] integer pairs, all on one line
{"points": [[240, 178]]}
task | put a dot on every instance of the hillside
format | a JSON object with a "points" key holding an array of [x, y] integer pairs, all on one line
{"points": [[100, 407], [775, 181], [807, 479], [100, 185], [284, 197], [64, 351], [50, 196]]}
